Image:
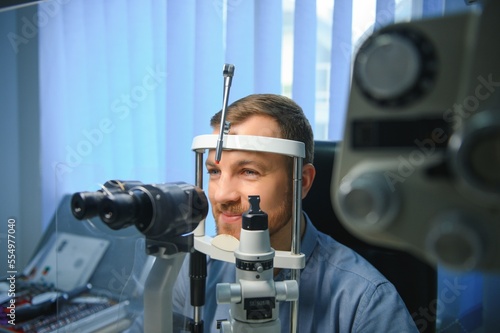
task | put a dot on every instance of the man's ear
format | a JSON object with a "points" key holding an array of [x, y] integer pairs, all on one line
{"points": [[308, 174]]}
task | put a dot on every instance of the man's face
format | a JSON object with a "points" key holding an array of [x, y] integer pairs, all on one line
{"points": [[240, 174]]}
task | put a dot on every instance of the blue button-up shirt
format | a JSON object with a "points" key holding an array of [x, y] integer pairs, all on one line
{"points": [[339, 292]]}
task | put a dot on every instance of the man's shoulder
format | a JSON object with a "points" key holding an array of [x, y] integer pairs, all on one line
{"points": [[332, 258], [337, 277], [344, 261]]}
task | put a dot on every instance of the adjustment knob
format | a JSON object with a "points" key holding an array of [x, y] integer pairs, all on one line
{"points": [[228, 293], [368, 202], [475, 153], [456, 240], [395, 67]]}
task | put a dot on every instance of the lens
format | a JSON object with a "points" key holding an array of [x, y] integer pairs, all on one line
{"points": [[179, 207], [85, 205], [121, 210]]}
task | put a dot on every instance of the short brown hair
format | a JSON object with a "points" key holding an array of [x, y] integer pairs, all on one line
{"points": [[288, 114]]}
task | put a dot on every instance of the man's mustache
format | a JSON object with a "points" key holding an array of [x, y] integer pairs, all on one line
{"points": [[234, 209]]}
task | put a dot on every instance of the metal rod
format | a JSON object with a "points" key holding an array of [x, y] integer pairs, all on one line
{"points": [[198, 272], [296, 221], [199, 169], [200, 230], [227, 72], [197, 314]]}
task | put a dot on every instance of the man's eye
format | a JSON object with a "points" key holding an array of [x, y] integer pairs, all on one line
{"points": [[213, 172], [250, 172]]}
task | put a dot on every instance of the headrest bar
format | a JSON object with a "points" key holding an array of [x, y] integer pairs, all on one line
{"points": [[251, 143]]}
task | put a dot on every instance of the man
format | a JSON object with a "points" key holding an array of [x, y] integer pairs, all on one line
{"points": [[339, 290]]}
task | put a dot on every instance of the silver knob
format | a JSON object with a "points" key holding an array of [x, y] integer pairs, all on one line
{"points": [[456, 240], [368, 202]]}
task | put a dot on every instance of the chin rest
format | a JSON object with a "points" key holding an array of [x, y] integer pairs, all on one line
{"points": [[415, 280]]}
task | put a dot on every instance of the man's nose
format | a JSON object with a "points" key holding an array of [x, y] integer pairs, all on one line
{"points": [[226, 190]]}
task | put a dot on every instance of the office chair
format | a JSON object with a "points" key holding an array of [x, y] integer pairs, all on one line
{"points": [[415, 280]]}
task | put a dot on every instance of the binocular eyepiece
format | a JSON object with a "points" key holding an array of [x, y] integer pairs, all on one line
{"points": [[157, 210], [86, 205]]}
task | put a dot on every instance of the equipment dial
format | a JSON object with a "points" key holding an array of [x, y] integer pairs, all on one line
{"points": [[258, 266], [395, 67]]}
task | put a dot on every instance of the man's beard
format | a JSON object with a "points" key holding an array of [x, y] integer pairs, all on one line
{"points": [[277, 220]]}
